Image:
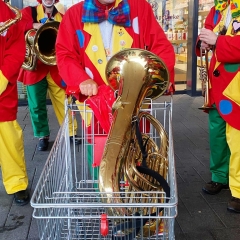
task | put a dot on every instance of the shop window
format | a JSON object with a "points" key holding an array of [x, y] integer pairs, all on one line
{"points": [[172, 15]]}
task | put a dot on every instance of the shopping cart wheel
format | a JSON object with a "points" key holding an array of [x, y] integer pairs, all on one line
{"points": [[104, 225]]}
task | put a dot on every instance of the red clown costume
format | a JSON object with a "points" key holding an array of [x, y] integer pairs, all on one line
{"points": [[12, 160], [28, 18], [224, 119], [81, 55], [44, 78], [83, 48]]}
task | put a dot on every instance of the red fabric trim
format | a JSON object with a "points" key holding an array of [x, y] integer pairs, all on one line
{"points": [[12, 53], [103, 6]]}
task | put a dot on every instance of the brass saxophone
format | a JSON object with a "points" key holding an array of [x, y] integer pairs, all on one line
{"points": [[10, 22], [137, 74]]}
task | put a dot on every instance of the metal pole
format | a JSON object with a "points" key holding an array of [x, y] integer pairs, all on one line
{"points": [[191, 55]]}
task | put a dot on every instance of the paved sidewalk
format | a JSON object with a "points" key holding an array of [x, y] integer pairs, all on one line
{"points": [[200, 216]]}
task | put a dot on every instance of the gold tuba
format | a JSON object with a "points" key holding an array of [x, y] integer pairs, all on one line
{"points": [[10, 22], [40, 44], [138, 74]]}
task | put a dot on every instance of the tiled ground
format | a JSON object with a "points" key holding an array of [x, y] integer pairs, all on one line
{"points": [[200, 217]]}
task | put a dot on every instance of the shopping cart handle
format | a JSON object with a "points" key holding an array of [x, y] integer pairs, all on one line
{"points": [[104, 225], [72, 90]]}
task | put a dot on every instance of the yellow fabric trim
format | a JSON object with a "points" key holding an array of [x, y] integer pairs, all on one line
{"points": [[12, 160], [86, 113], [58, 17], [99, 55], [41, 14], [60, 7], [117, 2], [233, 136], [233, 89], [3, 82], [120, 40]]}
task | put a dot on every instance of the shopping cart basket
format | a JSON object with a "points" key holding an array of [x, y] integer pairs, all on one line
{"points": [[67, 202]]}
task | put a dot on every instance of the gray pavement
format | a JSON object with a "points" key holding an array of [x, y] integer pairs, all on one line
{"points": [[200, 216]]}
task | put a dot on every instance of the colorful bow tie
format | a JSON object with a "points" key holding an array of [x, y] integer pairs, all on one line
{"points": [[119, 15], [220, 5]]}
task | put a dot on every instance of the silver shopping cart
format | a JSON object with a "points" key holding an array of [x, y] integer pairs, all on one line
{"points": [[68, 204]]}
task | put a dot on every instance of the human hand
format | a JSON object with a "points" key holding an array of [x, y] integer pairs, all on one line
{"points": [[208, 36], [88, 88], [3, 83], [205, 46], [37, 25]]}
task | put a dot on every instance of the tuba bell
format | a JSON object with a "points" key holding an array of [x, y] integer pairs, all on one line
{"points": [[10, 22], [40, 44], [129, 155]]}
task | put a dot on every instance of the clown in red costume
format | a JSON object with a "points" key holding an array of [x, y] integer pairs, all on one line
{"points": [[12, 160], [94, 30], [44, 78], [222, 35], [83, 55]]}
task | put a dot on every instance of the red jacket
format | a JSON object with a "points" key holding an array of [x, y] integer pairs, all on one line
{"points": [[12, 53], [79, 49], [225, 76], [32, 77]]}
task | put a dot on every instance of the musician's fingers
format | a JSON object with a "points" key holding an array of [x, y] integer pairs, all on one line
{"points": [[88, 88], [83, 89], [89, 91], [95, 90], [204, 44], [37, 25]]}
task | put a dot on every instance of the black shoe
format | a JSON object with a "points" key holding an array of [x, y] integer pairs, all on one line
{"points": [[43, 144], [21, 198], [214, 187], [234, 205], [77, 140]]}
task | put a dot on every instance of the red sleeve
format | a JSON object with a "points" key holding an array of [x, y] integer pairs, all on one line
{"points": [[68, 56], [14, 53], [155, 38], [27, 20], [227, 49]]}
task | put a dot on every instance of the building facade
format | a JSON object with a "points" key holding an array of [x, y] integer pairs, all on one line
{"points": [[181, 21]]}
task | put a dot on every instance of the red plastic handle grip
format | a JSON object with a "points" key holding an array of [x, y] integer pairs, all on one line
{"points": [[104, 225]]}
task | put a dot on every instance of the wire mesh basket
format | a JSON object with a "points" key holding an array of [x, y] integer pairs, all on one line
{"points": [[67, 200]]}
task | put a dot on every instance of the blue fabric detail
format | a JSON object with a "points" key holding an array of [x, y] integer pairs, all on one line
{"points": [[225, 107], [119, 15], [216, 17], [81, 39], [43, 20], [63, 83]]}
